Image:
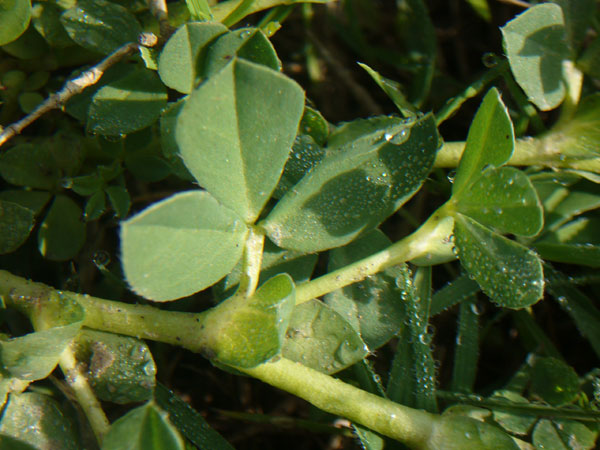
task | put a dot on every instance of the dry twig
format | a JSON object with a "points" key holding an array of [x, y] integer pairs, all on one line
{"points": [[77, 85]]}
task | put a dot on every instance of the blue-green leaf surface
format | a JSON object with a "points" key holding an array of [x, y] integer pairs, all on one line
{"points": [[235, 132], [180, 245], [505, 200], [62, 232], [179, 59], [372, 168], [536, 45], [509, 273], [491, 141], [100, 25], [146, 427]]}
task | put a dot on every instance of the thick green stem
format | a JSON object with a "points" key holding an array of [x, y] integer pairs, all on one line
{"points": [[410, 426], [416, 245]]}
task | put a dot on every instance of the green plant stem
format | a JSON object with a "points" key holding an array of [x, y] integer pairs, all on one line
{"points": [[413, 246], [84, 394], [410, 426]]}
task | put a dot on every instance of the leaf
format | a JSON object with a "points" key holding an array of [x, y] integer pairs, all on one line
{"points": [[372, 168], [35, 355], [319, 338], [126, 105], [16, 222], [453, 293], [535, 43], [274, 261], [466, 351], [223, 10], [14, 19], [37, 421], [563, 435], [554, 381], [490, 142], [199, 9], [120, 368], [179, 61], [95, 206], [509, 273], [100, 26], [393, 91], [28, 165], [244, 333], [180, 246], [503, 199], [188, 421], [513, 421], [33, 200], [145, 427], [120, 200], [170, 149], [46, 20], [62, 232], [577, 19], [247, 43], [574, 243], [235, 132], [370, 306]]}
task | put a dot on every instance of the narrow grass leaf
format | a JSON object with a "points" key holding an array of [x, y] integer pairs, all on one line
{"points": [[37, 421], [100, 26], [535, 43], [456, 291], [466, 351], [371, 169], [509, 273], [188, 421], [490, 142], [145, 427], [179, 61], [503, 199], [180, 246], [318, 337], [199, 10], [235, 132]]}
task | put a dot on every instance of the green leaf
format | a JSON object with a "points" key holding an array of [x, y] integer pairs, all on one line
{"points": [[33, 200], [244, 333], [199, 9], [467, 433], [62, 233], [554, 381], [120, 368], [28, 165], [29, 45], [148, 168], [535, 43], [370, 306], [100, 25], [232, 11], [247, 43], [513, 421], [275, 260], [455, 292], [490, 142], [563, 435], [188, 421], [38, 421], [574, 243], [179, 61], [14, 19], [128, 104], [170, 149], [466, 351], [95, 206], [120, 200], [35, 355], [180, 246], [577, 19], [393, 90], [503, 199], [509, 273], [319, 338], [46, 20], [143, 428], [235, 132], [372, 168], [16, 222]]}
